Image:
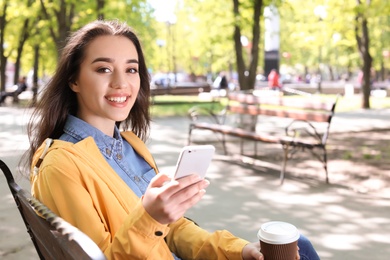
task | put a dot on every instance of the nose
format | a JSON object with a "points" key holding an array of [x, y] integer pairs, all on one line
{"points": [[119, 80]]}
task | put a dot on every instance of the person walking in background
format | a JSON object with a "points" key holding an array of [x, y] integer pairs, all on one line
{"points": [[273, 80], [360, 78], [105, 181], [223, 84], [21, 86]]}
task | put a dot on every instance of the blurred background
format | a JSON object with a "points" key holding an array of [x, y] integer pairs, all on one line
{"points": [[189, 42]]}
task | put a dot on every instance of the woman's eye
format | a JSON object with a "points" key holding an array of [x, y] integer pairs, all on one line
{"points": [[132, 70], [103, 70]]}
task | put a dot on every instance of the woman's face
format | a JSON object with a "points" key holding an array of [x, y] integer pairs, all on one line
{"points": [[108, 82]]}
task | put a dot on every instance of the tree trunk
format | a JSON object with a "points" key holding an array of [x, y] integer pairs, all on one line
{"points": [[99, 8], [362, 39], [331, 73], [64, 17], [247, 74], [3, 58], [22, 40], [35, 75]]}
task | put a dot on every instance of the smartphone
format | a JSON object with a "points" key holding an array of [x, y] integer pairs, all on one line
{"points": [[194, 159]]}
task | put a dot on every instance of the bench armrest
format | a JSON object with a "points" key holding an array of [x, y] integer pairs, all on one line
{"points": [[298, 126], [216, 117]]}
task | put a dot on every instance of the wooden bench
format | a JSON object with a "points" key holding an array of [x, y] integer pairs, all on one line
{"points": [[300, 133], [53, 237]]}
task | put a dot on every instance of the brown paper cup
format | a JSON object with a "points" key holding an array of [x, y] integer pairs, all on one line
{"points": [[278, 240]]}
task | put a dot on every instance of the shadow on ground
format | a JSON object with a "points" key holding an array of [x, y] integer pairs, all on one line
{"points": [[346, 219]]}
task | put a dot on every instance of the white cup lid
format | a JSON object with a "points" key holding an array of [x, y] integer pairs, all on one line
{"points": [[277, 232]]}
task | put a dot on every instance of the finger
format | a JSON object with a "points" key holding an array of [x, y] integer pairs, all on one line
{"points": [[159, 180], [186, 196], [178, 210], [189, 180], [297, 257], [176, 186], [193, 182], [189, 191]]}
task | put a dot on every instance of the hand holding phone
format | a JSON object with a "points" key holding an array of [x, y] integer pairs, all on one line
{"points": [[194, 159]]}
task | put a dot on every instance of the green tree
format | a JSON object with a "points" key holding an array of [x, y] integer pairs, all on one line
{"points": [[203, 33], [59, 16], [350, 37], [45, 25], [3, 57], [27, 24], [209, 38]]}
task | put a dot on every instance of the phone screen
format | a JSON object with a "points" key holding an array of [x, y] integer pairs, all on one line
{"points": [[194, 160]]}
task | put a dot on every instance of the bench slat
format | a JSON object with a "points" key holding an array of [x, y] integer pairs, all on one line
{"points": [[298, 115], [313, 104], [244, 109], [238, 132], [293, 114]]}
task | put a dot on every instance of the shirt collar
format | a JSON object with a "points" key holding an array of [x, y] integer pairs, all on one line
{"points": [[79, 129]]}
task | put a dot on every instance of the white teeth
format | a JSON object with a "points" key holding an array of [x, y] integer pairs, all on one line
{"points": [[117, 99]]}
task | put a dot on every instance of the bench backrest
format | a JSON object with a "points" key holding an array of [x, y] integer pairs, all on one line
{"points": [[53, 237], [301, 109]]}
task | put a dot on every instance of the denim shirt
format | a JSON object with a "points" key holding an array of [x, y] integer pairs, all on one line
{"points": [[119, 154]]}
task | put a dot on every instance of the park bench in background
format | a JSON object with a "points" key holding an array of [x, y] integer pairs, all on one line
{"points": [[53, 237], [300, 133], [188, 88]]}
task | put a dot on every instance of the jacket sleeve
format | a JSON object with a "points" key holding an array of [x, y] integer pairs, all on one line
{"points": [[186, 239], [71, 195], [189, 241]]}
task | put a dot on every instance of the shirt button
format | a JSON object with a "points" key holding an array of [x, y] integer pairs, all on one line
{"points": [[119, 156], [158, 233], [108, 151], [137, 179]]}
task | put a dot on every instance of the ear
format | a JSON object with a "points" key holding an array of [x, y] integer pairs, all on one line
{"points": [[74, 86]]}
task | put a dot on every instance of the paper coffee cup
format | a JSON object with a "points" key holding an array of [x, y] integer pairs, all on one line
{"points": [[278, 240]]}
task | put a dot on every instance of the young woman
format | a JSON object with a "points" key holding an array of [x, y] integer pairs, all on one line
{"points": [[104, 181]]}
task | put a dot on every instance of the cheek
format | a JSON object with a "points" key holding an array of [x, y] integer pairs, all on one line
{"points": [[138, 88], [137, 85], [88, 81]]}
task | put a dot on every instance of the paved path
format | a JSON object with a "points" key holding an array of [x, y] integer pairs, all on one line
{"points": [[341, 224]]}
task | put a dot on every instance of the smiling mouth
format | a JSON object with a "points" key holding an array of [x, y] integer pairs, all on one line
{"points": [[117, 99]]}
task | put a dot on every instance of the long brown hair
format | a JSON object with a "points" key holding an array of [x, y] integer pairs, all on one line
{"points": [[58, 100]]}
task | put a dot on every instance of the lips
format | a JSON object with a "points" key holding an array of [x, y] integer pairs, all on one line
{"points": [[117, 99]]}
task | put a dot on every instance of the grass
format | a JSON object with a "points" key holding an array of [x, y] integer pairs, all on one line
{"points": [[167, 105]]}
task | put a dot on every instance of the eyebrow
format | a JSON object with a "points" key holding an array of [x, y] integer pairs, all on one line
{"points": [[112, 60]]}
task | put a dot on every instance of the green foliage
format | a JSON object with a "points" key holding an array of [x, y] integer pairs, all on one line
{"points": [[303, 34], [207, 28], [201, 40], [136, 13]]}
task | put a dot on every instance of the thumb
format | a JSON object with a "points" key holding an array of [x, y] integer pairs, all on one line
{"points": [[159, 180]]}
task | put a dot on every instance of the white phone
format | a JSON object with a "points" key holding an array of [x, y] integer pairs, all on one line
{"points": [[194, 159]]}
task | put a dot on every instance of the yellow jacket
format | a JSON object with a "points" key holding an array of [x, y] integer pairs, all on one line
{"points": [[76, 182]]}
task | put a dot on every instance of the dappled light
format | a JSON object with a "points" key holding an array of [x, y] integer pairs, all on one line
{"points": [[346, 219], [342, 221]]}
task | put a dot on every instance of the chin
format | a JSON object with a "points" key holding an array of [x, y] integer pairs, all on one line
{"points": [[120, 119]]}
